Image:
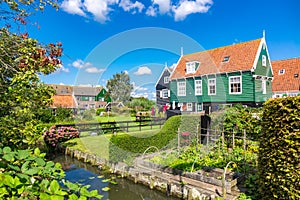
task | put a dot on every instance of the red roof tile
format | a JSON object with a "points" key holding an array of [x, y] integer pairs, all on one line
{"points": [[241, 58], [288, 81], [65, 101]]}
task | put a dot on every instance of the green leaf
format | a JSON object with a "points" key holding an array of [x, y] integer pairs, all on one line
{"points": [[37, 152], [73, 197], [25, 166], [44, 196], [40, 162], [105, 189], [6, 150], [14, 167], [56, 197], [32, 171], [23, 154], [54, 187], [9, 157]]}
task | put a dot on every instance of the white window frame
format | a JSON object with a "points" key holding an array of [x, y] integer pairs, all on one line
{"points": [[198, 87], [166, 79], [199, 105], [165, 93], [181, 88], [264, 60], [191, 67], [189, 107], [231, 82], [281, 71], [211, 85]]}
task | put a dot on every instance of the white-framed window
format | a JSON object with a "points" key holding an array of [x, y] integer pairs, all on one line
{"points": [[198, 87], [281, 71], [165, 93], [264, 86], [181, 88], [189, 106], [235, 85], [166, 79], [199, 107], [212, 86], [191, 67], [226, 59], [264, 60]]}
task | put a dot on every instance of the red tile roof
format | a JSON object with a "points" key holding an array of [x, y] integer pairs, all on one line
{"points": [[241, 58], [288, 81], [65, 101]]}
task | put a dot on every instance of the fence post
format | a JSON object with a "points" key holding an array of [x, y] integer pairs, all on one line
{"points": [[207, 137], [178, 138], [223, 138], [245, 142], [233, 144], [140, 125]]}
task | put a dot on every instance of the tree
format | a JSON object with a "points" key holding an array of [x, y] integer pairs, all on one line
{"points": [[22, 60], [119, 87], [141, 103]]}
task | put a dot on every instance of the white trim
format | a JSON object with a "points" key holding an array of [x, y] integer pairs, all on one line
{"points": [[198, 94], [166, 92], [208, 85], [264, 60], [264, 86], [189, 106], [181, 95], [229, 84], [175, 67], [197, 104], [168, 79]]}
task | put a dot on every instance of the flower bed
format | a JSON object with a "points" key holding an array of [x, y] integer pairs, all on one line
{"points": [[55, 134]]}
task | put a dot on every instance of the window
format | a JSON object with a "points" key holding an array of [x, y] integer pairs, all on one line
{"points": [[166, 79], [212, 86], [281, 71], [225, 59], [235, 85], [165, 93], [189, 107], [296, 75], [264, 60], [264, 86], [181, 88], [199, 107], [191, 67], [198, 87]]}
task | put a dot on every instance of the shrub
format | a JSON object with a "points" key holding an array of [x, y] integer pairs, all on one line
{"points": [[133, 144], [55, 134], [27, 175], [279, 151]]}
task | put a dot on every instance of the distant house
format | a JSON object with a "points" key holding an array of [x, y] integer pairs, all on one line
{"points": [[84, 97], [163, 88], [63, 101], [239, 73], [286, 77]]}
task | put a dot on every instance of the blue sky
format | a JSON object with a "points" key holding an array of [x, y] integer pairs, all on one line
{"points": [[103, 37]]}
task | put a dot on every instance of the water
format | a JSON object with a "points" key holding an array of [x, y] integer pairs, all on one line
{"points": [[77, 171]]}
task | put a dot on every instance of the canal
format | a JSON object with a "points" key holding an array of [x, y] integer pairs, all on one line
{"points": [[108, 185]]}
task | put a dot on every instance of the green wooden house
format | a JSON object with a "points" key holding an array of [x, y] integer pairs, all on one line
{"points": [[239, 73]]}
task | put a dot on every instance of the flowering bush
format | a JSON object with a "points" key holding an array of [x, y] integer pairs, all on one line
{"points": [[60, 134]]}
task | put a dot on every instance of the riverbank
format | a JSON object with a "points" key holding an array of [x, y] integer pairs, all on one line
{"points": [[169, 181]]}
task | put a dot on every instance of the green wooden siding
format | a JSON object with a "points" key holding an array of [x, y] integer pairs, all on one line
{"points": [[259, 96]]}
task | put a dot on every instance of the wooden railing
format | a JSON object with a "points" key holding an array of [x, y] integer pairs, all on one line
{"points": [[115, 126]]}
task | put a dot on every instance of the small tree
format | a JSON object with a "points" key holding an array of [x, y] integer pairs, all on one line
{"points": [[119, 87]]}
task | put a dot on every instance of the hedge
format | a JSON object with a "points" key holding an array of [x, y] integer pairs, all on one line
{"points": [[279, 151]]}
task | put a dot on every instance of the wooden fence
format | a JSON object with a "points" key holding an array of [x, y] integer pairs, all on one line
{"points": [[115, 126]]}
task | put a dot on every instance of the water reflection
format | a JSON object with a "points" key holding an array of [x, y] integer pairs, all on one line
{"points": [[80, 172]]}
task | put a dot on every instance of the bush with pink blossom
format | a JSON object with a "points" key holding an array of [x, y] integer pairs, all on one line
{"points": [[57, 134]]}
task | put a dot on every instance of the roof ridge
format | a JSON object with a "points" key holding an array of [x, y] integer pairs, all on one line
{"points": [[208, 50], [286, 59]]}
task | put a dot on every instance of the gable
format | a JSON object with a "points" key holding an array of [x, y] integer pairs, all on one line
{"points": [[262, 65]]}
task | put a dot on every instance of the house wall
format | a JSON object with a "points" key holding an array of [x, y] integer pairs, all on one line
{"points": [[159, 87]]}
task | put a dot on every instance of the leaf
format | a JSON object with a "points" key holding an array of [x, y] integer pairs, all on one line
{"points": [[40, 162], [44, 196], [9, 157], [14, 167], [54, 186], [56, 197], [91, 177], [105, 189], [32, 171], [37, 152], [72, 197], [105, 180], [101, 176], [6, 150], [25, 166], [23, 154]]}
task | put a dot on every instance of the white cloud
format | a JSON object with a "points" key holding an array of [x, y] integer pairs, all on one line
{"points": [[186, 7], [81, 64], [143, 71], [73, 7], [63, 69], [94, 70], [127, 6], [100, 10]]}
